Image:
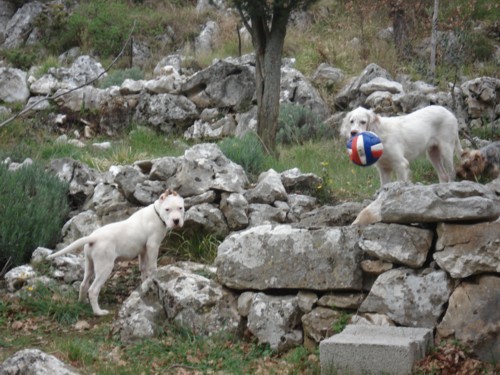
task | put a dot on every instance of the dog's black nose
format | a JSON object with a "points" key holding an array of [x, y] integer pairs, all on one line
{"points": [[353, 133], [176, 222]]}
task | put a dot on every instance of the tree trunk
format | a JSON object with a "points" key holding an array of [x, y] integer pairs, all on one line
{"points": [[434, 39], [268, 46], [400, 27]]}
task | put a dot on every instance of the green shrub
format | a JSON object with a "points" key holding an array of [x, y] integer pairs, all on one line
{"points": [[298, 124], [34, 205], [100, 26], [21, 58], [480, 47], [247, 152], [117, 77]]}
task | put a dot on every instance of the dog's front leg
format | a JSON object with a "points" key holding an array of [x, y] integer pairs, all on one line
{"points": [[384, 174], [403, 170], [148, 260]]}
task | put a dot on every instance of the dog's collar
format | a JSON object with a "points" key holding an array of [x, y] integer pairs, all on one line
{"points": [[159, 217]]}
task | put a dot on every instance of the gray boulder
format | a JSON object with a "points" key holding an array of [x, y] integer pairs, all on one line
{"points": [[170, 113], [465, 250], [84, 69], [205, 167], [405, 203], [199, 303], [411, 298], [395, 243], [7, 10], [481, 97], [19, 27], [267, 257], [327, 75], [331, 216], [13, 86], [473, 316], [35, 362], [79, 176], [207, 218], [269, 189], [275, 320], [296, 89], [221, 85], [350, 96]]}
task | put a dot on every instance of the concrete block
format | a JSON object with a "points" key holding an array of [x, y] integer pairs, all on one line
{"points": [[362, 349]]}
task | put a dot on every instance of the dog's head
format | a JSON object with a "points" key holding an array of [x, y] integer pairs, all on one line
{"points": [[359, 120], [171, 209], [472, 165]]}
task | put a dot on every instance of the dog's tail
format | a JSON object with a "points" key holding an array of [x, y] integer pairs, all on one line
{"points": [[458, 147], [75, 245]]}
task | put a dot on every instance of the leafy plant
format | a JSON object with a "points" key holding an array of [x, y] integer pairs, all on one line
{"points": [[99, 25], [116, 77], [33, 205], [21, 58], [341, 322], [298, 124], [46, 64], [247, 152]]}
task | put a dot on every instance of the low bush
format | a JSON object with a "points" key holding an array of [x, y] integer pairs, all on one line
{"points": [[34, 206], [20, 58], [247, 152], [117, 77], [298, 124]]}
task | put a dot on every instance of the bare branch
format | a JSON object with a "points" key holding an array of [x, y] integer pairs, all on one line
{"points": [[53, 97]]}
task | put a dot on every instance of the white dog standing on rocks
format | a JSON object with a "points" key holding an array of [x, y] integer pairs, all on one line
{"points": [[139, 235], [432, 130]]}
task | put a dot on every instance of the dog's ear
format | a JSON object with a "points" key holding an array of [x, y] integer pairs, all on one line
{"points": [[374, 122], [465, 153], [478, 157], [165, 194], [345, 128]]}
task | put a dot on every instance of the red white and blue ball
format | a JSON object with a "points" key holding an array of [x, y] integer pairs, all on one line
{"points": [[365, 148]]}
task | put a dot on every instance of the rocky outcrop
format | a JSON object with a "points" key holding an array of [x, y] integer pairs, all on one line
{"points": [[287, 269]]}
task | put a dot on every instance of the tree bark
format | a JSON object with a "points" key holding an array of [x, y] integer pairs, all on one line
{"points": [[266, 20], [434, 39], [400, 27], [269, 47]]}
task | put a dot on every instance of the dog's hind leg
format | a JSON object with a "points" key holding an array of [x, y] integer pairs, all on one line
{"points": [[102, 271], [89, 273], [436, 157]]}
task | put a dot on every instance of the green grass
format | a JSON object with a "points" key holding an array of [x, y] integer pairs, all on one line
{"points": [[343, 320], [327, 158], [51, 301], [342, 180], [197, 247], [97, 351]]}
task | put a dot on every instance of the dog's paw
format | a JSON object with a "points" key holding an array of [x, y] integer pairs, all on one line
{"points": [[101, 312]]}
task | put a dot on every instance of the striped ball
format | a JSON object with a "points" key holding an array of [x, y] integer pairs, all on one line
{"points": [[365, 148]]}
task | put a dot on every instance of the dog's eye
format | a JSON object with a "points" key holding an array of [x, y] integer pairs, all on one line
{"points": [[167, 209], [363, 122]]}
